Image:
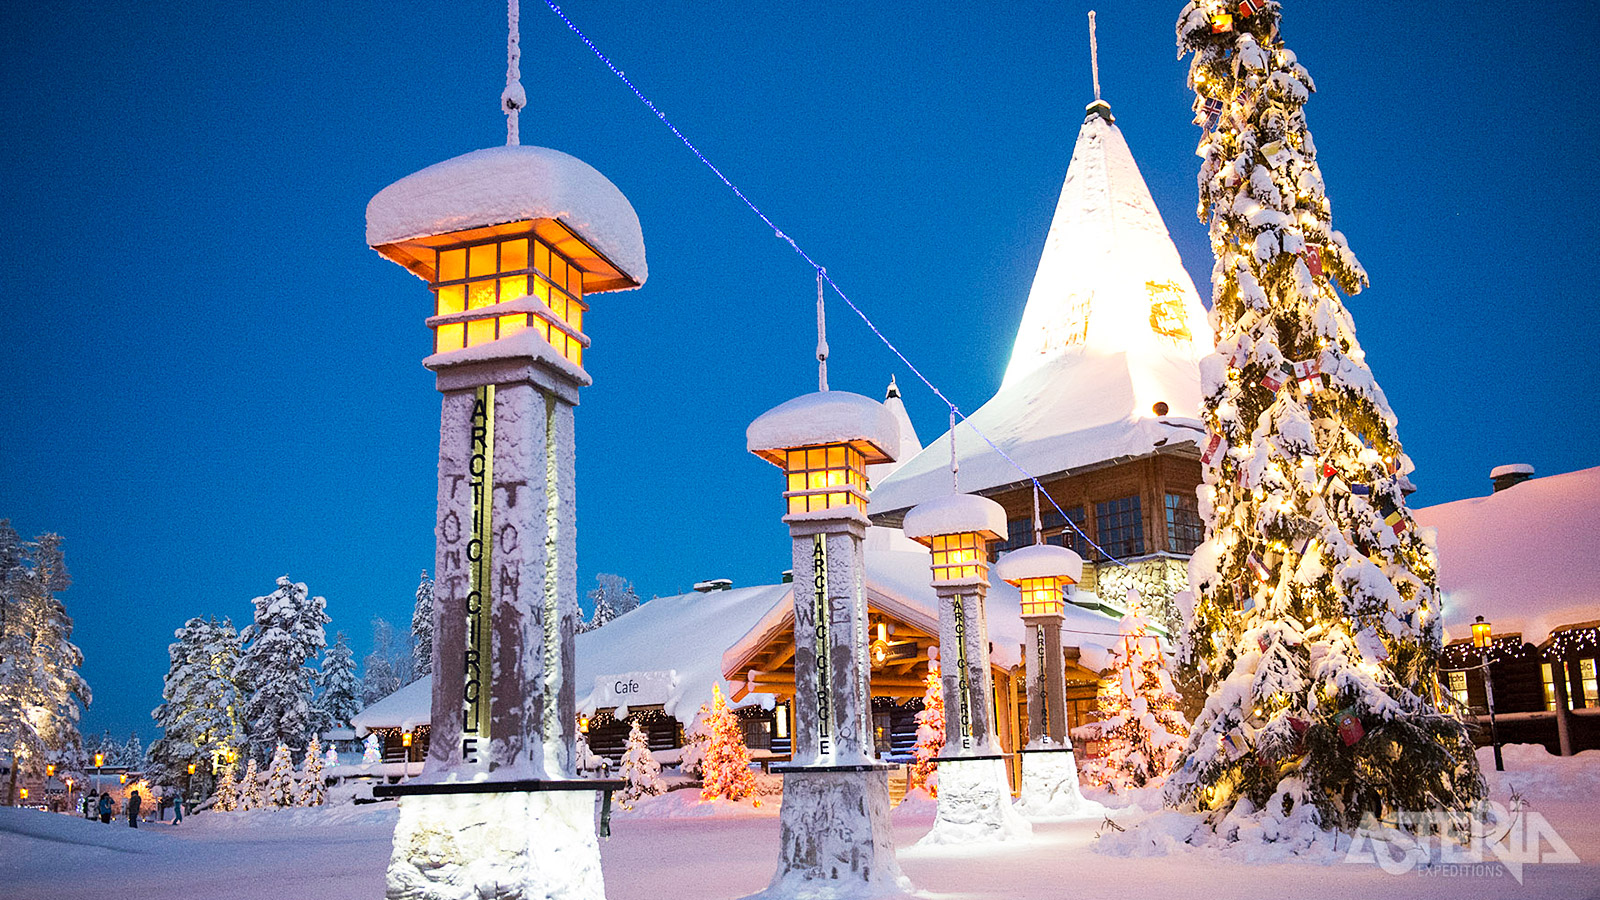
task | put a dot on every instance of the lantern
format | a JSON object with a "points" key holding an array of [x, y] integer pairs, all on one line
{"points": [[583, 724], [879, 648], [50, 770], [191, 768], [958, 530], [24, 793], [405, 739], [123, 778], [1480, 634], [99, 759], [1042, 572]]}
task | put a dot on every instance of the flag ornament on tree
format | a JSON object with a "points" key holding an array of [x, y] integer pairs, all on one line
{"points": [[1320, 563]]}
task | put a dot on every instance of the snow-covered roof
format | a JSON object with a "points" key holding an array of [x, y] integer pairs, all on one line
{"points": [[910, 444], [826, 417], [1511, 469], [1039, 561], [1527, 558], [956, 514], [406, 708], [500, 185], [1112, 328]]}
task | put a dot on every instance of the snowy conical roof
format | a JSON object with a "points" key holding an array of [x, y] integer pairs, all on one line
{"points": [[910, 445], [1112, 328]]}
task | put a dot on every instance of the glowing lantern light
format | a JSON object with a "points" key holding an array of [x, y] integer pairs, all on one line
{"points": [[123, 777], [583, 724], [50, 770], [99, 759], [1480, 634], [879, 648], [191, 768], [405, 739], [958, 529], [1042, 572], [24, 793]]}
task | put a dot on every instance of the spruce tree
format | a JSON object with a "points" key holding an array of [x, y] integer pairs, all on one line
{"points": [[227, 797], [640, 772], [310, 787], [924, 772], [337, 687], [200, 716], [388, 668], [1140, 728], [282, 785], [725, 769], [422, 627], [1316, 614], [249, 794], [274, 670], [612, 596], [41, 692]]}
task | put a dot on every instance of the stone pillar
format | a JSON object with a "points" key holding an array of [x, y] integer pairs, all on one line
{"points": [[497, 805], [1047, 704]]}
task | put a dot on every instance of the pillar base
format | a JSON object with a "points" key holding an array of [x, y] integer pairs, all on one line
{"points": [[975, 804], [528, 845], [1050, 789], [834, 839]]}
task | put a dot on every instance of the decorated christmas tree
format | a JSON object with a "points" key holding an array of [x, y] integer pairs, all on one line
{"points": [[1141, 730], [725, 769], [924, 773], [249, 794], [281, 778], [1315, 625], [227, 791], [640, 770], [310, 788]]}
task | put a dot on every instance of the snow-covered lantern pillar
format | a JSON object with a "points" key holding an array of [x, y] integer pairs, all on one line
{"points": [[1043, 573], [513, 242], [834, 832], [974, 792]]}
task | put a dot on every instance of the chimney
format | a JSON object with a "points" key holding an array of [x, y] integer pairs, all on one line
{"points": [[715, 584], [1506, 476]]}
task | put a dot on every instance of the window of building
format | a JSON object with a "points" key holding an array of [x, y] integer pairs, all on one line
{"points": [[1547, 671], [1019, 532], [826, 478], [1185, 531], [757, 733], [1120, 526], [483, 274], [1458, 687], [1591, 685]]}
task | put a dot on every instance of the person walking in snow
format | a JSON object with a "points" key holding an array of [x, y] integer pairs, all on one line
{"points": [[105, 808], [133, 809], [177, 809]]}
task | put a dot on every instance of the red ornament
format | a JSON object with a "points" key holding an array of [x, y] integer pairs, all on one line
{"points": [[1350, 728], [1313, 258], [1214, 447]]}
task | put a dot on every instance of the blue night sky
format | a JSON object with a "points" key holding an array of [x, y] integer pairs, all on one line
{"points": [[211, 381]]}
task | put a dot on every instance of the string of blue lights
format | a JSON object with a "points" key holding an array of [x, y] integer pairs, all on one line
{"points": [[822, 273]]}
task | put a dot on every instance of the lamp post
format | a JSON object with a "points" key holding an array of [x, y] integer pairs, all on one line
{"points": [[99, 760], [69, 794], [1482, 640]]}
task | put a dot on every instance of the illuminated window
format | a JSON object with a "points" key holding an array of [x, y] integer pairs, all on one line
{"points": [[1041, 596], [1458, 687], [827, 477], [1547, 671], [1119, 525], [483, 274], [1185, 531], [959, 556], [1591, 685]]}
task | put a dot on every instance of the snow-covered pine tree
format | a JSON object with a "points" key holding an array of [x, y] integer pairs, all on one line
{"points": [[640, 772], [41, 692], [337, 687], [133, 751], [227, 790], [250, 795], [725, 770], [281, 780], [422, 628], [274, 670], [199, 718], [310, 789], [612, 597], [1141, 730], [924, 773], [695, 740], [388, 668], [1316, 618], [371, 752]]}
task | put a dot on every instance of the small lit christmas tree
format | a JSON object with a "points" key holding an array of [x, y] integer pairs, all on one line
{"points": [[930, 736], [725, 770], [640, 771], [310, 788], [250, 796], [227, 791], [280, 778], [1316, 617], [1141, 731]]}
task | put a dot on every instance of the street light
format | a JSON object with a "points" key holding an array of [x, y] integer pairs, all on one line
{"points": [[99, 760], [1482, 640]]}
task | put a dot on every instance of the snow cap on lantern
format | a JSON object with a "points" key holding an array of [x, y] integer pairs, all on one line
{"points": [[824, 441], [957, 529], [1041, 572], [511, 239]]}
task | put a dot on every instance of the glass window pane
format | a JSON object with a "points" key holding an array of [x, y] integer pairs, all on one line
{"points": [[575, 315], [558, 304], [510, 325], [480, 294], [453, 265], [558, 270], [481, 260], [541, 257], [512, 287], [514, 255], [836, 457], [575, 281], [449, 337], [480, 332], [816, 458], [452, 299]]}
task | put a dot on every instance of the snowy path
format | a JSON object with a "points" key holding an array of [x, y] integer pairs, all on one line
{"points": [[341, 853]]}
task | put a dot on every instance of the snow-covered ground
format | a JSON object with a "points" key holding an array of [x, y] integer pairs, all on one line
{"points": [[664, 850]]}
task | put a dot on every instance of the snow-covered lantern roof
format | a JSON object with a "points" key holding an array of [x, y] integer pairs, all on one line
{"points": [[958, 529], [1041, 572], [510, 239], [824, 442]]}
